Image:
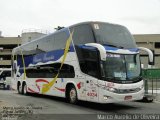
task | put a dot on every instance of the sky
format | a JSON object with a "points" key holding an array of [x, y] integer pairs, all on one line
{"points": [[139, 16]]}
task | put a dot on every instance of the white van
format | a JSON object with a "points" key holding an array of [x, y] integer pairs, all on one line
{"points": [[5, 78]]}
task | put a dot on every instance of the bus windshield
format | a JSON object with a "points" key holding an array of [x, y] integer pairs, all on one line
{"points": [[112, 34], [121, 67]]}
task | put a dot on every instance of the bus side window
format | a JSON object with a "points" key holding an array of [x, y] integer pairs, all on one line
{"points": [[82, 34], [91, 68], [89, 61], [60, 40], [50, 71], [67, 71]]}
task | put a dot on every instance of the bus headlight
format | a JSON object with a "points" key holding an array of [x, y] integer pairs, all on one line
{"points": [[105, 97], [124, 91], [142, 86], [113, 90]]}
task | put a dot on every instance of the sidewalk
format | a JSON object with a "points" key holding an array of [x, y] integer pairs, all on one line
{"points": [[156, 93], [157, 97]]}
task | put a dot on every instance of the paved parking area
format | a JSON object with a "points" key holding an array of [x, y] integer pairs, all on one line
{"points": [[40, 107]]}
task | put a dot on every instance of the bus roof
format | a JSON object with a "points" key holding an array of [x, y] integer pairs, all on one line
{"points": [[131, 43]]}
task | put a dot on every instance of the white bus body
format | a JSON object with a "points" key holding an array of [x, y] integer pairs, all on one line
{"points": [[81, 63]]}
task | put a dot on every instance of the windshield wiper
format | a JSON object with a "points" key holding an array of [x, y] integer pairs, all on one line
{"points": [[110, 78], [114, 46], [135, 78]]}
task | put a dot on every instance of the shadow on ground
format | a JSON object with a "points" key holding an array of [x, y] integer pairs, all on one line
{"points": [[109, 107]]}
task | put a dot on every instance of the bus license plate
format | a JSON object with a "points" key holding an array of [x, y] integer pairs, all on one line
{"points": [[127, 97]]}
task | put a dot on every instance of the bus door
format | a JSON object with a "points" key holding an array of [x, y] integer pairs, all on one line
{"points": [[91, 88], [92, 72], [89, 63]]}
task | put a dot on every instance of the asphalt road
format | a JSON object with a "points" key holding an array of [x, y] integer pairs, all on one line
{"points": [[38, 107]]}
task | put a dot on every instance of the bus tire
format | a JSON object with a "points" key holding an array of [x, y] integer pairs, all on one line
{"points": [[24, 89], [19, 88], [71, 94]]}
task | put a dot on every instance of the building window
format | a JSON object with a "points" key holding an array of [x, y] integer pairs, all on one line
{"points": [[157, 44]]}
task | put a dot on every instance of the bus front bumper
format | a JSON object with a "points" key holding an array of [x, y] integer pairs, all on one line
{"points": [[111, 97]]}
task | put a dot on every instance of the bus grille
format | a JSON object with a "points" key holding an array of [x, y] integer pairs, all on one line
{"points": [[124, 91]]}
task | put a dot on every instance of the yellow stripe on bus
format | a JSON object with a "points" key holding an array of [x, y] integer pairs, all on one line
{"points": [[24, 66], [47, 87]]}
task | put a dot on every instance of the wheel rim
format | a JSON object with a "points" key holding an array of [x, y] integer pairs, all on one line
{"points": [[20, 89], [25, 89], [73, 95]]}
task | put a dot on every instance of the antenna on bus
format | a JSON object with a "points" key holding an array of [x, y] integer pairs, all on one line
{"points": [[59, 28]]}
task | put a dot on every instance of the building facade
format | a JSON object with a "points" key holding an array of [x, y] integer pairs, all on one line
{"points": [[6, 46], [8, 43], [151, 41]]}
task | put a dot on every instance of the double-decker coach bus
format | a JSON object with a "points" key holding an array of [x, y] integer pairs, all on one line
{"points": [[90, 61]]}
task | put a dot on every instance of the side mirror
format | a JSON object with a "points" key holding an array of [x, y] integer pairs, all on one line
{"points": [[150, 55], [153, 61]]}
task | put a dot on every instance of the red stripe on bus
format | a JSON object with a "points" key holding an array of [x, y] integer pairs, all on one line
{"points": [[29, 89], [41, 80], [79, 85], [60, 89]]}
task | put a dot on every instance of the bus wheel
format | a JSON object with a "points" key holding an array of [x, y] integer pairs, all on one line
{"points": [[19, 88], [72, 95], [24, 89]]}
